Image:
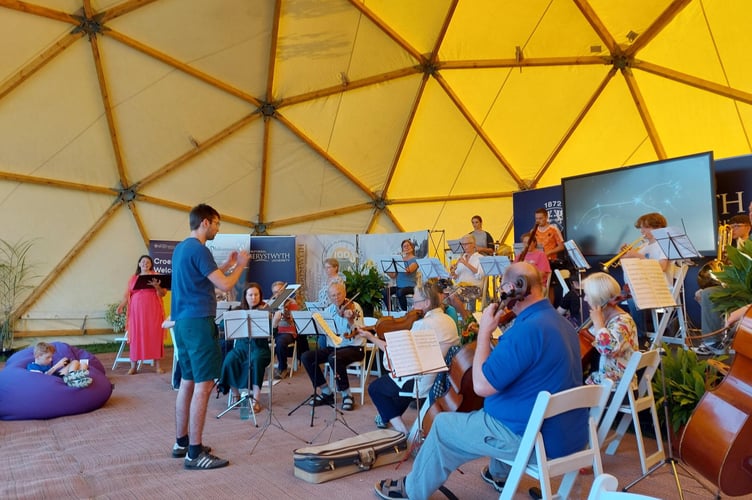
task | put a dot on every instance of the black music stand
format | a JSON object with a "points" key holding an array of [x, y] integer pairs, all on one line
{"points": [[581, 264], [393, 264], [305, 325], [246, 324]]}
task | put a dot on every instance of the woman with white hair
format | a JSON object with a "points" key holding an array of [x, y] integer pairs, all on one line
{"points": [[614, 329]]}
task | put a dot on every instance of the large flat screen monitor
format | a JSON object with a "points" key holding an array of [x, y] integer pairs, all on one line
{"points": [[600, 209]]}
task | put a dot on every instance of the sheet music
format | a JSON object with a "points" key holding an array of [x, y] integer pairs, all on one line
{"points": [[647, 283], [575, 255], [414, 352], [455, 246], [244, 323], [493, 265], [324, 327], [431, 267], [674, 243]]}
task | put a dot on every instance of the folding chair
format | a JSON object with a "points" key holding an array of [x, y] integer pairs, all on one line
{"points": [[604, 488], [638, 397], [360, 369], [121, 358], [547, 405]]}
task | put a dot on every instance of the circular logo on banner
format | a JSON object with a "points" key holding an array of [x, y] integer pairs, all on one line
{"points": [[343, 251]]}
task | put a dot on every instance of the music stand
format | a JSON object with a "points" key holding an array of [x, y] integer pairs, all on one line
{"points": [[581, 264], [392, 264], [305, 325], [431, 267]]}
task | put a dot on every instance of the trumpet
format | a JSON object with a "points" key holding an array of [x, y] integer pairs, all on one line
{"points": [[615, 260]]}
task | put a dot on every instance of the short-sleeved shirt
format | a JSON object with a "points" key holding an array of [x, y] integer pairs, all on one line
{"points": [[192, 290]]}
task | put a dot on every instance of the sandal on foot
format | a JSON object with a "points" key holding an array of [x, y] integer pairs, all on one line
{"points": [[132, 371], [347, 403], [391, 488], [256, 406]]}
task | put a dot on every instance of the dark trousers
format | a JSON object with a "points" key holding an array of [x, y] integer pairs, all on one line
{"points": [[282, 344], [384, 393], [401, 293], [344, 356]]}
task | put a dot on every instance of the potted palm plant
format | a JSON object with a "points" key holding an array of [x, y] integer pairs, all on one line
{"points": [[365, 281], [16, 276]]}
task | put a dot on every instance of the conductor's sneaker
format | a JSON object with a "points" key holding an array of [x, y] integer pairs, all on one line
{"points": [[205, 461], [709, 349], [497, 484], [181, 451], [322, 400]]}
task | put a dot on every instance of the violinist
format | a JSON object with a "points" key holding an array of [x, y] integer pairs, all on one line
{"points": [[613, 328], [285, 334], [539, 352], [405, 280], [347, 315], [385, 391]]}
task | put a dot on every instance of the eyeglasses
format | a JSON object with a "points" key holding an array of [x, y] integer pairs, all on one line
{"points": [[215, 221]]}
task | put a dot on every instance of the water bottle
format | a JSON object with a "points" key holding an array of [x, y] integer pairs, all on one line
{"points": [[245, 409]]}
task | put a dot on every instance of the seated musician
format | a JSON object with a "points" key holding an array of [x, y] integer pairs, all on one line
{"points": [[613, 328], [532, 255], [539, 352], [285, 334], [405, 280], [467, 273], [235, 368], [385, 391], [347, 316]]}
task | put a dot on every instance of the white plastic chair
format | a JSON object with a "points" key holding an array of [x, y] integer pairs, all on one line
{"points": [[604, 488], [547, 405], [629, 404], [360, 369], [121, 358]]}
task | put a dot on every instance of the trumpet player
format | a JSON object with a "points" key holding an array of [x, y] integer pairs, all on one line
{"points": [[650, 249]]}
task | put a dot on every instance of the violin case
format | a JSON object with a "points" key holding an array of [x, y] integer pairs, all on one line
{"points": [[324, 462]]}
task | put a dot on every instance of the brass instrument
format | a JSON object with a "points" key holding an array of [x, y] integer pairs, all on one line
{"points": [[614, 262], [706, 275]]}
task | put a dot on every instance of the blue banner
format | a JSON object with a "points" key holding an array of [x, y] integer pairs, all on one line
{"points": [[272, 259]]}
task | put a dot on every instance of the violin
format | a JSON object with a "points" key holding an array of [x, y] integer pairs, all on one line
{"points": [[716, 440], [349, 305]]}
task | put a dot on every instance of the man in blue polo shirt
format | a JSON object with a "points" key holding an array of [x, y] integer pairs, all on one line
{"points": [[540, 352], [195, 275]]}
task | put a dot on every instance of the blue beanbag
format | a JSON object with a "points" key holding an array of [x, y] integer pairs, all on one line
{"points": [[26, 395]]}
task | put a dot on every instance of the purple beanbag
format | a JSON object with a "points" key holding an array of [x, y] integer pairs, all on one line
{"points": [[25, 395]]}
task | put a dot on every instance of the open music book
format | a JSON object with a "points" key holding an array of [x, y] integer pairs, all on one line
{"points": [[414, 352], [647, 283]]}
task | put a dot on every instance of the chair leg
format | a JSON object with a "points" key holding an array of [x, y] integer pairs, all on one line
{"points": [[621, 429]]}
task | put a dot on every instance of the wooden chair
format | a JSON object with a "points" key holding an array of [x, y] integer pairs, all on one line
{"points": [[630, 399], [547, 405]]}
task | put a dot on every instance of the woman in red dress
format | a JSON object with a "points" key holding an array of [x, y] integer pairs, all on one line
{"points": [[145, 317]]}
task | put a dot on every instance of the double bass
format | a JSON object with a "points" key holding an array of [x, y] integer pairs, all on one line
{"points": [[717, 441]]}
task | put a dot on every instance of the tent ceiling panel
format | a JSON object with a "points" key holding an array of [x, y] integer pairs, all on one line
{"points": [[347, 223], [402, 16], [28, 32], [625, 20], [210, 36]]}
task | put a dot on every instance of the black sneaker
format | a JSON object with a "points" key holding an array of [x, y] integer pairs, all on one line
{"points": [[181, 451], [498, 485], [205, 461], [322, 400]]}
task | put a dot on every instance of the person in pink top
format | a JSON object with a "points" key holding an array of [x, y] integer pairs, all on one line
{"points": [[536, 257]]}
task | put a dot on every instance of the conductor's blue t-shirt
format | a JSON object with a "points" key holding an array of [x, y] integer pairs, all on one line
{"points": [[192, 291]]}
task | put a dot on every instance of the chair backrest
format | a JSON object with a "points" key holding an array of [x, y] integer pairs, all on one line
{"points": [[547, 405], [604, 488]]}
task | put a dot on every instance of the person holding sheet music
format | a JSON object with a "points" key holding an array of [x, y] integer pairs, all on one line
{"points": [[331, 275], [405, 280], [285, 334], [614, 329], [385, 391], [347, 315], [235, 367], [195, 274], [650, 249], [539, 352], [145, 313]]}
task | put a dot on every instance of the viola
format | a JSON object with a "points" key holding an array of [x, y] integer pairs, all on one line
{"points": [[392, 324], [716, 440]]}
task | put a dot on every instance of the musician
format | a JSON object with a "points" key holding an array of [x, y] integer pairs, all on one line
{"points": [[711, 320], [285, 334], [384, 392], [613, 328], [548, 235], [331, 275], [535, 257], [467, 270], [484, 242], [347, 315], [405, 280], [649, 250], [539, 352], [253, 351]]}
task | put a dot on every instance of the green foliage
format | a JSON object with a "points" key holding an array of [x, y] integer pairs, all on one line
{"points": [[117, 321], [366, 281], [16, 275], [687, 379], [736, 278]]}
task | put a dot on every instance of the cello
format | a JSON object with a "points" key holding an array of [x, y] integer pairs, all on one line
{"points": [[717, 440]]}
